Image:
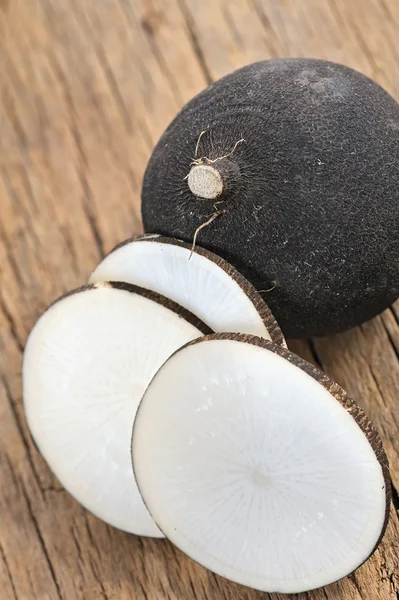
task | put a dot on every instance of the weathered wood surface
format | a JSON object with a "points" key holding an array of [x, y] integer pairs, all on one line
{"points": [[87, 86]]}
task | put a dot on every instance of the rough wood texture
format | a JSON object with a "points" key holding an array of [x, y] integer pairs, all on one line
{"points": [[86, 89]]}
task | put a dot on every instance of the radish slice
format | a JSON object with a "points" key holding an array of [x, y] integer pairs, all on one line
{"points": [[87, 363], [258, 466], [205, 284]]}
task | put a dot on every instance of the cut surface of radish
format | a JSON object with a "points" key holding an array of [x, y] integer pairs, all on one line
{"points": [[87, 363], [205, 284], [259, 467]]}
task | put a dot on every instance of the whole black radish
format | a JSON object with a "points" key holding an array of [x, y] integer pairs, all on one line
{"points": [[291, 168]]}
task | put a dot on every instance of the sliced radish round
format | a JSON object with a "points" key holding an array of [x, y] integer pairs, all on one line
{"points": [[87, 363], [205, 284], [258, 466]]}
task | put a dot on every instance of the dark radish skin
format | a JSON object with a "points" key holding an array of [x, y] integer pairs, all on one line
{"points": [[297, 158]]}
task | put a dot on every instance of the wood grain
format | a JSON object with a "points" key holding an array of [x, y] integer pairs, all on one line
{"points": [[86, 89]]}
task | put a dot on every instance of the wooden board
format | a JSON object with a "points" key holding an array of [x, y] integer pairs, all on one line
{"points": [[87, 86]]}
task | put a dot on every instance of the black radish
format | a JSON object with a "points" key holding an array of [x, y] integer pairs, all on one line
{"points": [[289, 170]]}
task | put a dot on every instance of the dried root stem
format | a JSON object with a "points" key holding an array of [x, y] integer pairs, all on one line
{"points": [[226, 155], [204, 159], [202, 226], [198, 143], [270, 289]]}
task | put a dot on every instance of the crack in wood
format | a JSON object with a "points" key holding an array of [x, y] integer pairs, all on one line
{"points": [[142, 588], [82, 163], [108, 72], [232, 26], [12, 326], [8, 570], [395, 498], [9, 107], [89, 533], [267, 26], [94, 567], [71, 249], [314, 353], [19, 484], [159, 57], [364, 47], [18, 421], [191, 584], [103, 592], [394, 314], [390, 338], [388, 575], [377, 385], [201, 57], [7, 245], [50, 489], [91, 218], [142, 558], [352, 579]]}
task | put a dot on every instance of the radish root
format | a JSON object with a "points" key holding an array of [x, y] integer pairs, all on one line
{"points": [[270, 289], [202, 226], [198, 142], [210, 161]]}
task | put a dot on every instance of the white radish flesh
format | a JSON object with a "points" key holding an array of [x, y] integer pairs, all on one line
{"points": [[204, 284], [87, 363], [253, 463]]}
